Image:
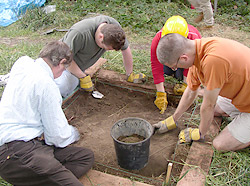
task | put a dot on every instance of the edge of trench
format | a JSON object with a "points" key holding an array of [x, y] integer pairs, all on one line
{"points": [[200, 155]]}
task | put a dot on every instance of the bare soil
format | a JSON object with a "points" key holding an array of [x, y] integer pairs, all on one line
{"points": [[134, 138], [95, 117]]}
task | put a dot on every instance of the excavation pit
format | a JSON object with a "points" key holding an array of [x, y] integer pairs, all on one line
{"points": [[94, 119]]}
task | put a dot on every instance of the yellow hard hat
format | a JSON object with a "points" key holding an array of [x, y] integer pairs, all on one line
{"points": [[175, 24]]}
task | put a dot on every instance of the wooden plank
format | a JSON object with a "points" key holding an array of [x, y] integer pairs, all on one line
{"points": [[199, 159], [94, 177]]}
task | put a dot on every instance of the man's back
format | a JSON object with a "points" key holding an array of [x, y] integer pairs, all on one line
{"points": [[24, 97], [225, 64]]}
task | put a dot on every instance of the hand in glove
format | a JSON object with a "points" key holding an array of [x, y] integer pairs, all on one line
{"points": [[189, 134], [86, 83], [136, 78], [165, 125], [161, 101], [179, 89]]}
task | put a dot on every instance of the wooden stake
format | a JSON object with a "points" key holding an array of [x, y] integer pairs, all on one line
{"points": [[169, 172]]}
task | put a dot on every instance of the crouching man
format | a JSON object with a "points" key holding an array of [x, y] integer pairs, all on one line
{"points": [[222, 66], [30, 109]]}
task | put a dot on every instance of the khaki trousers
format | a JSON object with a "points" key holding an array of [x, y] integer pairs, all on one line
{"points": [[205, 7]]}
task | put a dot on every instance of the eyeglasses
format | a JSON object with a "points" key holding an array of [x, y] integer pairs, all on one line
{"points": [[174, 68]]}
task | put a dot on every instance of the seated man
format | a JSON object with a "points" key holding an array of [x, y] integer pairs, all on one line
{"points": [[175, 24], [89, 39], [35, 134], [223, 67]]}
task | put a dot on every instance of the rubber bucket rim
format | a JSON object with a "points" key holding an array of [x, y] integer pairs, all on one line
{"points": [[128, 118]]}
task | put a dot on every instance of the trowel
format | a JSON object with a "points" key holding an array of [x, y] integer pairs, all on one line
{"points": [[96, 94]]}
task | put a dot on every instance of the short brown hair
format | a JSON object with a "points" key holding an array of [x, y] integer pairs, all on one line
{"points": [[55, 51], [170, 48], [114, 36]]}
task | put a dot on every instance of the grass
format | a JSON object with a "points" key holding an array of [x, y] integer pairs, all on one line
{"points": [[141, 19], [4, 183], [229, 168]]}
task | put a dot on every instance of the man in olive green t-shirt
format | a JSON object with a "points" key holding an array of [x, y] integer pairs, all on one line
{"points": [[88, 40]]}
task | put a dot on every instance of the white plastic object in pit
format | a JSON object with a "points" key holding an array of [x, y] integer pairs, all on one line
{"points": [[97, 94]]}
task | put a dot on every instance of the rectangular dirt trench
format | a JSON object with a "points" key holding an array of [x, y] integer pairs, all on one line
{"points": [[94, 119]]}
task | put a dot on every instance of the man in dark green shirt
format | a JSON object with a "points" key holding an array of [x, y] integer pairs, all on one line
{"points": [[88, 40]]}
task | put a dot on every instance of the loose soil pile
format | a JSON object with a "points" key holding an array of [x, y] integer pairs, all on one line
{"points": [[95, 117], [134, 138]]}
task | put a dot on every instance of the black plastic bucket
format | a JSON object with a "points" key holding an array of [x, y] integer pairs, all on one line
{"points": [[132, 156]]}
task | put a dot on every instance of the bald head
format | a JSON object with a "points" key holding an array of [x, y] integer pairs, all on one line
{"points": [[170, 48]]}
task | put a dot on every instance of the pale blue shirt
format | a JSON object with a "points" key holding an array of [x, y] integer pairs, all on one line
{"points": [[31, 106]]}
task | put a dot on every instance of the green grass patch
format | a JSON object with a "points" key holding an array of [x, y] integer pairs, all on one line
{"points": [[230, 168], [9, 55], [4, 183], [141, 62]]}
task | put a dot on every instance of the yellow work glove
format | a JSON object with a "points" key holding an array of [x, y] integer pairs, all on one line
{"points": [[189, 134], [165, 125], [136, 78], [86, 83], [179, 88], [161, 101]]}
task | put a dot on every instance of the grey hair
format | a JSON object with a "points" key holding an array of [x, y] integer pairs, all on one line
{"points": [[170, 48], [55, 51]]}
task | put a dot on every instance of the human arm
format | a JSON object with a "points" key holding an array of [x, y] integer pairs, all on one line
{"points": [[188, 134], [207, 109], [171, 122], [128, 64], [74, 69], [56, 129], [156, 66], [158, 75], [127, 60], [86, 83], [160, 87], [206, 114]]}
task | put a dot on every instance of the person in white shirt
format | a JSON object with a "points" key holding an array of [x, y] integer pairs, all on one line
{"points": [[30, 108]]}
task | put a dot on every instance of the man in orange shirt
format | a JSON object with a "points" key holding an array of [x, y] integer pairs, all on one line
{"points": [[222, 66]]}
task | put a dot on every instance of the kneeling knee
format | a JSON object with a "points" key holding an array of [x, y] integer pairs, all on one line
{"points": [[218, 145]]}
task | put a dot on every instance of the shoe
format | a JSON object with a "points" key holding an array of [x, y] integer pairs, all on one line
{"points": [[207, 27], [199, 18], [4, 79]]}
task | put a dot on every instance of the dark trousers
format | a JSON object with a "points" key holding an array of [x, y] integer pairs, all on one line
{"points": [[178, 74], [34, 163]]}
